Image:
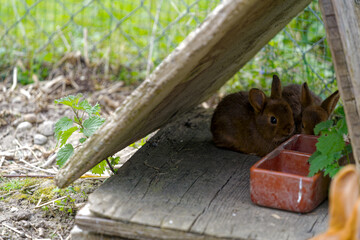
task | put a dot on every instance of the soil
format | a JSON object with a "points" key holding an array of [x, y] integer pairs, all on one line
{"points": [[31, 206]]}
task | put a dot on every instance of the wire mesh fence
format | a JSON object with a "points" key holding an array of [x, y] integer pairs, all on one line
{"points": [[134, 37]]}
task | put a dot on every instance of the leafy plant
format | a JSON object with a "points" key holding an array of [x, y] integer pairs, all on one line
{"points": [[331, 146], [86, 121]]}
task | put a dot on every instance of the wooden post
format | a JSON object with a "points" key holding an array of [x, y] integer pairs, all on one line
{"points": [[229, 37], [342, 22]]}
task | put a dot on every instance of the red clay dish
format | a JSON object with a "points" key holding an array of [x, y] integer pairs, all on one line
{"points": [[279, 180]]}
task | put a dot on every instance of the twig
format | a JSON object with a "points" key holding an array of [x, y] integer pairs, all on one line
{"points": [[25, 93], [49, 176], [7, 194], [2, 160], [59, 236], [14, 80], [52, 201], [49, 161], [152, 40], [28, 176], [37, 168], [17, 231], [86, 54], [110, 166], [28, 148], [63, 38], [38, 203]]}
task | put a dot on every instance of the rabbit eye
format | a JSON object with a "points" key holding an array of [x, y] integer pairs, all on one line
{"points": [[273, 120]]}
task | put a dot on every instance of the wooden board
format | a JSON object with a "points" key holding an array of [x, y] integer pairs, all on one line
{"points": [[229, 37], [180, 186], [342, 22]]}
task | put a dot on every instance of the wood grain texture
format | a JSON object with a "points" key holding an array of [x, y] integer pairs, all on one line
{"points": [[342, 22], [229, 37], [180, 186]]}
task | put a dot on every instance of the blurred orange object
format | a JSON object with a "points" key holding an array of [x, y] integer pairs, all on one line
{"points": [[344, 207]]}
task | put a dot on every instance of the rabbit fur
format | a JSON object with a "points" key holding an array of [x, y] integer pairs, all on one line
{"points": [[252, 123]]}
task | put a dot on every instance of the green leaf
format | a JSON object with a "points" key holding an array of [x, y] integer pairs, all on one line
{"points": [[330, 143], [318, 164], [314, 156], [66, 134], [331, 170], [348, 149], [64, 154], [114, 160], [100, 168], [342, 127], [91, 110], [92, 124], [325, 125], [82, 140], [71, 100], [62, 125], [340, 111]]}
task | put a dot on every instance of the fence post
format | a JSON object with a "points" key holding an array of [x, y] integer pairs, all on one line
{"points": [[342, 22]]}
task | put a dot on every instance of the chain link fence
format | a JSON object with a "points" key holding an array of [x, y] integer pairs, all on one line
{"points": [[134, 36]]}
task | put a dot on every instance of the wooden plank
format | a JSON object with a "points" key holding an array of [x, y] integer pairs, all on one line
{"points": [[229, 37], [180, 186], [344, 39]]}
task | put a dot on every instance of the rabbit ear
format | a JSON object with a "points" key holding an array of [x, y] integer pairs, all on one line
{"points": [[276, 87], [329, 104], [306, 98], [344, 193], [257, 99]]}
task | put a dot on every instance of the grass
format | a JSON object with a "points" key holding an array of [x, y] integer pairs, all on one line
{"points": [[121, 33]]}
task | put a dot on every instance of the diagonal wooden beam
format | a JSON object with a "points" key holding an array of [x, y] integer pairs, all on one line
{"points": [[342, 22], [230, 36]]}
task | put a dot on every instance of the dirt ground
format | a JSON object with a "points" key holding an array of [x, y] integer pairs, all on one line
{"points": [[33, 208]]}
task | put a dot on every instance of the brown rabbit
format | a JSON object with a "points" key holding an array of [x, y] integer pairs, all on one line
{"points": [[251, 122], [313, 112], [344, 207], [292, 94]]}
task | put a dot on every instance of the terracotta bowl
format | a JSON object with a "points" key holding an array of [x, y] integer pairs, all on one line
{"points": [[279, 180]]}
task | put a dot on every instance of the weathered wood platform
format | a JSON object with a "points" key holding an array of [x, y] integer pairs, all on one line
{"points": [[180, 186], [229, 37]]}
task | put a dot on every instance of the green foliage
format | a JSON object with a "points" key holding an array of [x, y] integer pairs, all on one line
{"points": [[65, 127], [139, 143], [331, 146], [64, 154], [100, 168]]}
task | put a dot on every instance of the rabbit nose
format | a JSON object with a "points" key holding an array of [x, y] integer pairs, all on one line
{"points": [[289, 129]]}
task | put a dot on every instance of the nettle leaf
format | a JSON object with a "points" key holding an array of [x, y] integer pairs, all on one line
{"points": [[348, 149], [100, 168], [64, 154], [92, 124], [62, 125], [85, 105], [314, 156], [82, 140], [66, 134], [90, 110], [330, 143], [318, 164], [70, 100], [340, 111], [332, 170], [342, 127], [114, 160], [323, 126]]}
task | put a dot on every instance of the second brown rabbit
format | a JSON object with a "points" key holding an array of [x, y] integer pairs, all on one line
{"points": [[292, 94], [307, 107], [250, 122]]}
